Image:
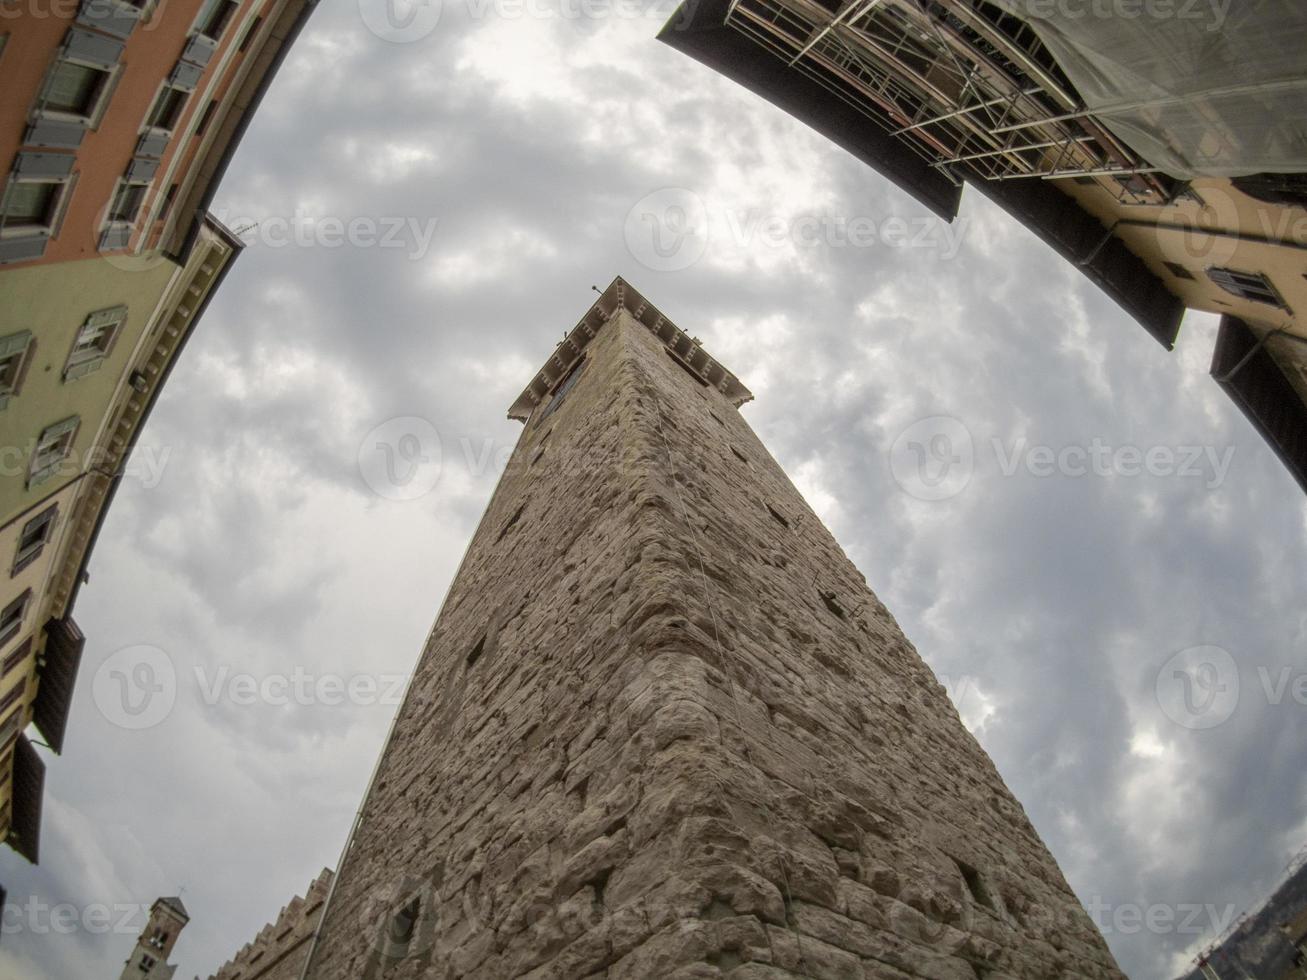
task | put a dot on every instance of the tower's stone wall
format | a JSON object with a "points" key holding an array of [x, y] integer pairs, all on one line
{"points": [[662, 729], [279, 950]]}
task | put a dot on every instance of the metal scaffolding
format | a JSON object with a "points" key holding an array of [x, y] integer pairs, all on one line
{"points": [[969, 87]]}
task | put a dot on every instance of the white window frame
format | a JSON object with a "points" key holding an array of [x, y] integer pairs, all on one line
{"points": [[27, 553], [54, 219], [11, 627], [19, 346], [89, 120], [119, 188], [148, 126], [93, 342], [207, 10], [53, 446]]}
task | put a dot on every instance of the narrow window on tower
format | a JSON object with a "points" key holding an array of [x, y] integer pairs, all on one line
{"points": [[740, 456], [829, 600], [508, 526], [563, 387], [477, 650], [975, 884], [777, 516]]}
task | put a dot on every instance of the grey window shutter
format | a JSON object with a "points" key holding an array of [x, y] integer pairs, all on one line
{"points": [[22, 249], [115, 237], [152, 145], [105, 15], [95, 49], [62, 427], [199, 49], [1225, 280], [185, 76], [55, 132], [44, 164], [82, 368], [111, 315], [142, 169], [15, 343]]}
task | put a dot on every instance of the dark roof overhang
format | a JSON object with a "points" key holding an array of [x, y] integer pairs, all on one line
{"points": [[58, 676], [29, 790], [699, 30], [1250, 376]]}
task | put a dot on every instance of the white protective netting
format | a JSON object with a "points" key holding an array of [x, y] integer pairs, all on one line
{"points": [[1198, 88]]}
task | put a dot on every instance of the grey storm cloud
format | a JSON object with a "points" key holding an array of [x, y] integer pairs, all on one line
{"points": [[1047, 605]]}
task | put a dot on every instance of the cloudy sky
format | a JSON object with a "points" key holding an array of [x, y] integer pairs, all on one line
{"points": [[915, 385]]}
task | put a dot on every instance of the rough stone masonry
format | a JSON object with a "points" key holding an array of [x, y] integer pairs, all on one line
{"points": [[663, 729]]}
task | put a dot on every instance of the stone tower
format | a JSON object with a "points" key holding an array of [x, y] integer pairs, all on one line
{"points": [[662, 729], [149, 959]]}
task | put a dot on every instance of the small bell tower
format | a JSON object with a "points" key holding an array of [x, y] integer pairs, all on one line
{"points": [[149, 959]]}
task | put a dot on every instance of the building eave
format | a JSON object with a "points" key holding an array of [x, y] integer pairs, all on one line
{"points": [[700, 31], [28, 798], [1242, 365], [61, 656], [621, 295]]}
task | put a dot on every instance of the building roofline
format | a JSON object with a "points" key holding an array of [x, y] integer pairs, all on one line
{"points": [[698, 28], [223, 160], [227, 235], [621, 295]]}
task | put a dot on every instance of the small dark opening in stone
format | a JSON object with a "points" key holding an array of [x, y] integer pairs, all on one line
{"points": [[404, 922], [477, 650], [975, 884], [780, 518], [740, 456], [511, 521], [829, 599]]}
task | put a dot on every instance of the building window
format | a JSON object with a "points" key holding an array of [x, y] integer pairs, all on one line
{"points": [[214, 18], [9, 729], [78, 90], [167, 202], [147, 963], [94, 340], [13, 695], [32, 205], [249, 34], [167, 109], [205, 117], [14, 357], [20, 653], [560, 392], [127, 202], [34, 537], [11, 617], [1247, 285], [52, 448]]}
